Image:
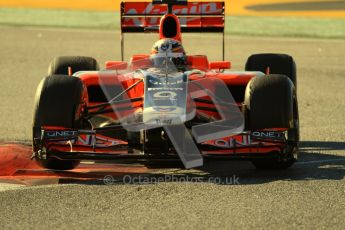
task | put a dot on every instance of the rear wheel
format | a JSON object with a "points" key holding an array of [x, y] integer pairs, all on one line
{"points": [[58, 102], [270, 102], [61, 64], [276, 64]]}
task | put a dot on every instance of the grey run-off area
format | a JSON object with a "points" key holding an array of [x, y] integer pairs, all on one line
{"points": [[310, 194], [300, 6]]}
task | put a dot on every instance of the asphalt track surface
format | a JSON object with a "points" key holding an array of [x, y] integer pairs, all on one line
{"points": [[310, 195]]}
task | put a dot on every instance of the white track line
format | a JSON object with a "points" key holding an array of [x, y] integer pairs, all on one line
{"points": [[317, 162]]}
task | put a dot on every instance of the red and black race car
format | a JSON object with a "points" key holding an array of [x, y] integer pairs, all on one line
{"points": [[167, 104]]}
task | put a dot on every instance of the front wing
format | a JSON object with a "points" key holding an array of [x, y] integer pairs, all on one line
{"points": [[69, 144]]}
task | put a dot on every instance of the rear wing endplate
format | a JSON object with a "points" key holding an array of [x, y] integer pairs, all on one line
{"points": [[138, 17]]}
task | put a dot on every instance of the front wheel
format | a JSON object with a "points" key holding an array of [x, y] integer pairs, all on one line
{"points": [[271, 102], [58, 103]]}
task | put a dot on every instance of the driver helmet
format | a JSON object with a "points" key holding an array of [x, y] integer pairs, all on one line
{"points": [[170, 49]]}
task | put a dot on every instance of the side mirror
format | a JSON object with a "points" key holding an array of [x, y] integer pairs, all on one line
{"points": [[220, 65]]}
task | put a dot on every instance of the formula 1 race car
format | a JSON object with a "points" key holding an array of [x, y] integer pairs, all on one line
{"points": [[166, 104]]}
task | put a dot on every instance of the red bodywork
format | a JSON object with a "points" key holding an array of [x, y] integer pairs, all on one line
{"points": [[137, 17]]}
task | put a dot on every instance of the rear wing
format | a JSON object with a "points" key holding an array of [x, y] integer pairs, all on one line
{"points": [[138, 17], [194, 17]]}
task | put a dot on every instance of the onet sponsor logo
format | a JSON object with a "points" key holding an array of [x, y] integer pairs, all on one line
{"points": [[268, 135], [86, 139], [232, 142], [248, 139], [62, 133]]}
